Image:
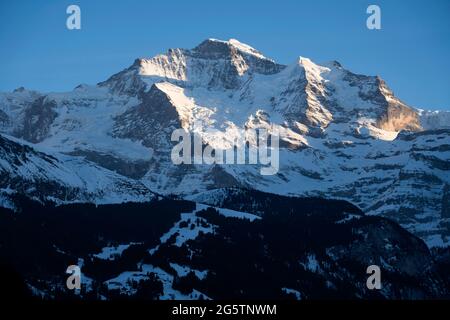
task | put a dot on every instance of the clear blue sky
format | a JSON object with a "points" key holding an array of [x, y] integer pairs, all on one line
{"points": [[411, 52]]}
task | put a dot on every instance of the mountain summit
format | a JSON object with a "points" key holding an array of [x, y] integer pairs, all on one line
{"points": [[303, 93]]}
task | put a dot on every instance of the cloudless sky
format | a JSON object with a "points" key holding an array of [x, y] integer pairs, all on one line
{"points": [[411, 51]]}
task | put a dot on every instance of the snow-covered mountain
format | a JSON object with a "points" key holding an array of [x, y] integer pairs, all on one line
{"points": [[57, 178], [343, 135]]}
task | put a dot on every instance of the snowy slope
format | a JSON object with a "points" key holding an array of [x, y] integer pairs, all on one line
{"points": [[28, 171]]}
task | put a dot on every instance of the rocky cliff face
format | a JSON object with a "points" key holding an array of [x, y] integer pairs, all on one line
{"points": [[396, 115]]}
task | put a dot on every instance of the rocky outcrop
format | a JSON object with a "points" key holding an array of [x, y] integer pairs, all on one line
{"points": [[37, 120], [396, 115], [151, 122]]}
